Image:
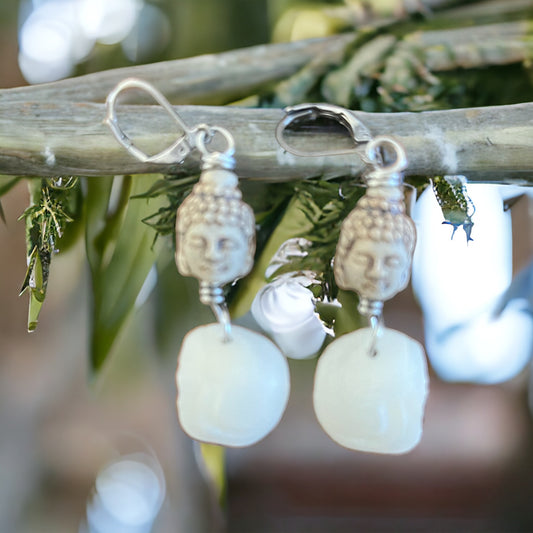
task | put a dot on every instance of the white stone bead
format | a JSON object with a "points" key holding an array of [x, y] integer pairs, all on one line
{"points": [[230, 393], [372, 404]]}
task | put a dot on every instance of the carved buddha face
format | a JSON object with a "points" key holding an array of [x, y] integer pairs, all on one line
{"points": [[375, 252], [376, 270], [216, 253], [215, 231]]}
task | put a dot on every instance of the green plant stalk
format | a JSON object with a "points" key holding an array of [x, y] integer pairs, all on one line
{"points": [[46, 219]]}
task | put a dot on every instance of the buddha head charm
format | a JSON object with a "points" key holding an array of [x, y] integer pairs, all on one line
{"points": [[215, 230], [377, 239], [371, 384], [233, 383]]}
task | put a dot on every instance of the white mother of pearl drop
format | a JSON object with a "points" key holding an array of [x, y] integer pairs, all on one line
{"points": [[372, 404], [230, 393]]}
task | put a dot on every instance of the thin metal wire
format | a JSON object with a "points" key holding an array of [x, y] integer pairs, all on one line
{"points": [[223, 318], [213, 296], [376, 325]]}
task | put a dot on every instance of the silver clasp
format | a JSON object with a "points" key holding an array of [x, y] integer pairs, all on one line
{"points": [[196, 137], [357, 130]]}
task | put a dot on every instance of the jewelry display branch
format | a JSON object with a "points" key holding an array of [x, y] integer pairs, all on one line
{"points": [[489, 144], [233, 384], [371, 385]]}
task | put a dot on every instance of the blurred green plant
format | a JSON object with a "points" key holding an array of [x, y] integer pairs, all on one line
{"points": [[120, 250], [53, 205]]}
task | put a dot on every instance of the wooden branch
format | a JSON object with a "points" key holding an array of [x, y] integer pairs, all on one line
{"points": [[49, 139], [207, 79]]}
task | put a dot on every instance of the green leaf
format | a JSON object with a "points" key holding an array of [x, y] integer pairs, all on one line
{"points": [[50, 212], [35, 284], [6, 184], [177, 306], [294, 223], [348, 317], [120, 254], [213, 462]]}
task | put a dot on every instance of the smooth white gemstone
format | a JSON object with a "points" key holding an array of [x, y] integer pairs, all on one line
{"points": [[230, 393], [372, 404], [286, 311]]}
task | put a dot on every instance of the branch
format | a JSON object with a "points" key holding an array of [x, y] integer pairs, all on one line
{"points": [[207, 79], [48, 139]]}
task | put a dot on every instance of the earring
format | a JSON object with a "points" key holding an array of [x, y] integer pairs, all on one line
{"points": [[233, 384], [371, 385]]}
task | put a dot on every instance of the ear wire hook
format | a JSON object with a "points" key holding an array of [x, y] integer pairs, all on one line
{"points": [[357, 130], [177, 151]]}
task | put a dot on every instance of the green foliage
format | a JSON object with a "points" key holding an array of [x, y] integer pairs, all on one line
{"points": [[120, 253], [51, 210], [420, 63], [457, 207], [325, 204], [7, 184], [175, 189], [282, 219]]}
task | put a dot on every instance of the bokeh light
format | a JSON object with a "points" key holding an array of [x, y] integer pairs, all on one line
{"points": [[127, 496], [56, 35]]}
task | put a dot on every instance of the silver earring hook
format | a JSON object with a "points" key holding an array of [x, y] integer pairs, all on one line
{"points": [[176, 152], [357, 130], [196, 137]]}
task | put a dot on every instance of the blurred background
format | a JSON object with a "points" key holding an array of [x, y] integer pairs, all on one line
{"points": [[107, 455]]}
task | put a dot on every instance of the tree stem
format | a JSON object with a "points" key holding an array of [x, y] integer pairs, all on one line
{"points": [[485, 144]]}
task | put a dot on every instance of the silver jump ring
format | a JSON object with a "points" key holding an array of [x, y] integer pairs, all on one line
{"points": [[215, 158], [374, 157], [206, 134]]}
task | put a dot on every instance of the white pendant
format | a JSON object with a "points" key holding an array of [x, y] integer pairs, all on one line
{"points": [[230, 393], [372, 404]]}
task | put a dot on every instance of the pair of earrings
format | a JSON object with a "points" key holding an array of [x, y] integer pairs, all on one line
{"points": [[233, 383]]}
